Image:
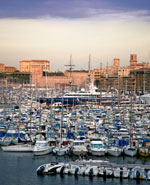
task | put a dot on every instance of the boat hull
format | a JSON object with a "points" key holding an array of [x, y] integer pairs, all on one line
{"points": [[18, 148], [42, 152]]}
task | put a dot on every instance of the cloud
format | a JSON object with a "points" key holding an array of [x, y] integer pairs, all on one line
{"points": [[72, 9], [55, 39], [53, 29]]}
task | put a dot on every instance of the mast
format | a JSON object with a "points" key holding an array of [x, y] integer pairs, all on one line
{"points": [[118, 90], [70, 65], [46, 80], [89, 66], [131, 125], [100, 81], [62, 112]]}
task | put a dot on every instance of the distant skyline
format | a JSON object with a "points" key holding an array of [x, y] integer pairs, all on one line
{"points": [[54, 29]]}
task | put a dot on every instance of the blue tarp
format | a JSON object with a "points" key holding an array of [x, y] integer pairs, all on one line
{"points": [[123, 143], [82, 138], [70, 135], [118, 126], [81, 133], [10, 135], [110, 135], [116, 120], [24, 115]]}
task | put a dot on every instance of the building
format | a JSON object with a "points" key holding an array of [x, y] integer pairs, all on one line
{"points": [[28, 65], [58, 79], [134, 77], [9, 69], [2, 68]]}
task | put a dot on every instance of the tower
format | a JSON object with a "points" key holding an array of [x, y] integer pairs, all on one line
{"points": [[116, 62], [133, 59]]}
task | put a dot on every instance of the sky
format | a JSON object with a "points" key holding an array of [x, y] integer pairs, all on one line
{"points": [[55, 29]]}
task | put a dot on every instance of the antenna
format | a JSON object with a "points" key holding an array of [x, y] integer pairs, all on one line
{"points": [[70, 70]]}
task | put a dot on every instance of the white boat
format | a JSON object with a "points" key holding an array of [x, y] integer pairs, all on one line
{"points": [[121, 172], [91, 171], [71, 169], [114, 151], [49, 168], [148, 175], [130, 151], [138, 173], [18, 148], [82, 169], [101, 171], [97, 148], [61, 150], [5, 141], [108, 171], [42, 147], [79, 147]]}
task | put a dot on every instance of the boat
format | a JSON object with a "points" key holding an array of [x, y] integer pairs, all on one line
{"points": [[5, 141], [130, 150], [114, 151], [61, 150], [71, 169], [42, 147], [108, 171], [120, 172], [75, 98], [138, 173], [18, 148], [92, 171], [97, 148], [144, 152], [49, 168], [79, 148], [148, 175]]}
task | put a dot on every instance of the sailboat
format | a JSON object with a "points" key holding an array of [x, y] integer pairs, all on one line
{"points": [[130, 150], [61, 150], [18, 147]]}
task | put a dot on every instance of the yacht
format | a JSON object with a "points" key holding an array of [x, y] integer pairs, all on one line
{"points": [[42, 147], [79, 147], [92, 95], [97, 148], [61, 150]]}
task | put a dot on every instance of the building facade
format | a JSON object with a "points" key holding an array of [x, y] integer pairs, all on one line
{"points": [[2, 67], [9, 69], [58, 80], [134, 77], [27, 65]]}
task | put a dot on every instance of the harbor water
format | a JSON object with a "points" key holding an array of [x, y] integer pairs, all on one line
{"points": [[20, 169]]}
